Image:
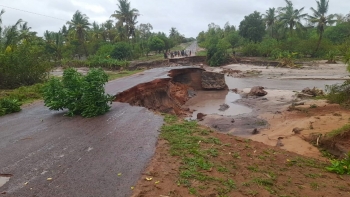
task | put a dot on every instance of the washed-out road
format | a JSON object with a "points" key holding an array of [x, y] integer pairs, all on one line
{"points": [[48, 154]]}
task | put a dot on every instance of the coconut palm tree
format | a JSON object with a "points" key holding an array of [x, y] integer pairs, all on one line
{"points": [[320, 19], [270, 19], [291, 18], [126, 18], [79, 26]]}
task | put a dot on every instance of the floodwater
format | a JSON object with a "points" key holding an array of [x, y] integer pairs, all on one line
{"points": [[3, 180], [208, 102], [280, 84]]}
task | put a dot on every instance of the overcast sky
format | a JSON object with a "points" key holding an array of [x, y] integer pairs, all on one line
{"points": [[188, 16]]}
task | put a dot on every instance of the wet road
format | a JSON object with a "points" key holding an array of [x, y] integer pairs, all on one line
{"points": [[193, 48], [82, 156]]}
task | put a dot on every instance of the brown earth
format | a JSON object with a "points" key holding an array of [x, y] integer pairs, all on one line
{"points": [[261, 169], [258, 170], [166, 95]]}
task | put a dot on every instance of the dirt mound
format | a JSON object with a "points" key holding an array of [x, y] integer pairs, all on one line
{"points": [[338, 145]]}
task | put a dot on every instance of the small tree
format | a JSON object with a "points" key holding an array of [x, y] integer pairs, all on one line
{"points": [[122, 51], [156, 44], [81, 95]]}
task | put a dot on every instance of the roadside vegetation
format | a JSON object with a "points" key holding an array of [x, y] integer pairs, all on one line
{"points": [[26, 59], [285, 34]]}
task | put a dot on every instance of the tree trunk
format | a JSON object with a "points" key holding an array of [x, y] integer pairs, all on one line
{"points": [[319, 42]]}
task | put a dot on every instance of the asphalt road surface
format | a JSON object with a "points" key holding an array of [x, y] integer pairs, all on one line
{"points": [[193, 48], [51, 155]]}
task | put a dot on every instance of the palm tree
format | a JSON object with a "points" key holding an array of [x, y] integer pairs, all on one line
{"points": [[270, 19], [11, 34], [109, 33], [291, 18], [79, 26], [320, 19], [126, 18], [1, 13]]}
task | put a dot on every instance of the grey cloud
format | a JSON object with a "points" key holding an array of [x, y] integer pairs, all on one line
{"points": [[188, 16]]}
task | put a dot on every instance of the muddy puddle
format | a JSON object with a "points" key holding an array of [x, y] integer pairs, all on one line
{"points": [[209, 102]]}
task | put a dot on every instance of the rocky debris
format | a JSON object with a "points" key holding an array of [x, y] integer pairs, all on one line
{"points": [[313, 92], [279, 142], [191, 93], [200, 116], [239, 74], [297, 130], [297, 104], [230, 73], [224, 107], [235, 90], [255, 131], [212, 80], [233, 120], [257, 91]]}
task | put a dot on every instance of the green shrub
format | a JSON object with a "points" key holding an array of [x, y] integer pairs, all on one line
{"points": [[340, 166], [106, 61], [122, 51], [331, 56], [8, 106], [339, 94], [217, 52], [267, 46], [81, 95], [251, 49], [24, 64]]}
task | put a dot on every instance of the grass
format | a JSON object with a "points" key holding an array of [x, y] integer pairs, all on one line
{"points": [[121, 74], [209, 163], [339, 131], [186, 139], [24, 94], [201, 53]]}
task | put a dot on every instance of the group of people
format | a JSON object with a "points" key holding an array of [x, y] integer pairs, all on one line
{"points": [[173, 54]]}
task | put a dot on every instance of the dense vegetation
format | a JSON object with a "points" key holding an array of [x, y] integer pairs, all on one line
{"points": [[26, 58], [284, 32]]}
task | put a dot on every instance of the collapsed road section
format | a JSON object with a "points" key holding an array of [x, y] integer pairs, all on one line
{"points": [[169, 92]]}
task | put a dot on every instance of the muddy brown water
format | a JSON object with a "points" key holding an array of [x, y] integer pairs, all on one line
{"points": [[281, 84], [208, 102]]}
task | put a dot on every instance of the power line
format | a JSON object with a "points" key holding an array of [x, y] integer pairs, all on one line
{"points": [[32, 13]]}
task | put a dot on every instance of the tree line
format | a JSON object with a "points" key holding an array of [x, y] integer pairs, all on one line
{"points": [[26, 58], [279, 32]]}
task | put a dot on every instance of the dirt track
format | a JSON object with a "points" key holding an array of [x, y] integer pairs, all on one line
{"points": [[102, 156]]}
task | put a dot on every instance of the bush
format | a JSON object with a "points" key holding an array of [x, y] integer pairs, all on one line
{"points": [[267, 46], [106, 61], [251, 49], [340, 166], [24, 64], [8, 106], [122, 51], [217, 52], [81, 95], [339, 94]]}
